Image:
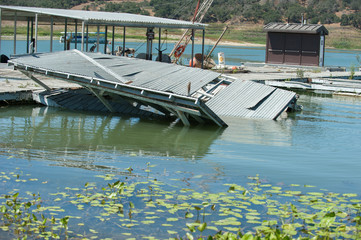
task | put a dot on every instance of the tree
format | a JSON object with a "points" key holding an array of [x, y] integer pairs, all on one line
{"points": [[356, 20], [294, 12], [252, 12], [126, 7], [356, 5], [271, 16], [345, 20]]}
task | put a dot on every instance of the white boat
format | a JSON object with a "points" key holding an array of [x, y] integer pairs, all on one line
{"points": [[92, 37]]}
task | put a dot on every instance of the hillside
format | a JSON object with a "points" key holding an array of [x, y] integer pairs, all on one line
{"points": [[230, 11], [245, 17]]}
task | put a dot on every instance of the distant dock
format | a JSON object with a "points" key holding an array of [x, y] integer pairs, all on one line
{"points": [[326, 80]]}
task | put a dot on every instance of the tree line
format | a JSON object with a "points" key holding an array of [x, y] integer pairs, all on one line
{"points": [[44, 3], [315, 11], [231, 11]]}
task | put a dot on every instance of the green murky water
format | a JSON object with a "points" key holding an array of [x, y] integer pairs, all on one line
{"points": [[58, 149]]}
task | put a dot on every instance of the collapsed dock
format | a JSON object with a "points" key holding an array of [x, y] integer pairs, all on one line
{"points": [[190, 94]]}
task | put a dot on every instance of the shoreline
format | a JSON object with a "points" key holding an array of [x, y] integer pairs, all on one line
{"points": [[197, 41]]}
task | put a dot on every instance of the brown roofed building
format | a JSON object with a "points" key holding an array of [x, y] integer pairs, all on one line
{"points": [[295, 44]]}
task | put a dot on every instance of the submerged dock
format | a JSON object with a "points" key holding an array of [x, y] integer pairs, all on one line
{"points": [[189, 94]]}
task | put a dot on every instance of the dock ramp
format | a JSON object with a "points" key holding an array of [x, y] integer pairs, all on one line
{"points": [[190, 94]]}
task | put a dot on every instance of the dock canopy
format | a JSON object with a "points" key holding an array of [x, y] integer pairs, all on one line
{"points": [[295, 44], [64, 17], [94, 17]]}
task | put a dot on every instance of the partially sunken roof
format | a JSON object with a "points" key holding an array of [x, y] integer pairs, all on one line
{"points": [[164, 84], [94, 17], [296, 28]]}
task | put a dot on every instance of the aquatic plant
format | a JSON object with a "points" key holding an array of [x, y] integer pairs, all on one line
{"points": [[352, 71], [128, 201], [300, 73]]}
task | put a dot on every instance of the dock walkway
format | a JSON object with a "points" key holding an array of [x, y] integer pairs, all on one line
{"points": [[313, 79]]}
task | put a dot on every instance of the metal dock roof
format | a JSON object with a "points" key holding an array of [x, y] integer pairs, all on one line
{"points": [[248, 99], [95, 17], [131, 71], [169, 88]]}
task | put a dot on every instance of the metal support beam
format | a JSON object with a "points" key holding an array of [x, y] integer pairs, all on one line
{"points": [[51, 33], [65, 32], [29, 75], [98, 37], [109, 71], [32, 30], [106, 39], [98, 94], [161, 109], [198, 119], [192, 56], [76, 34], [183, 118], [87, 38], [150, 37], [124, 41], [82, 35], [159, 45], [15, 22], [36, 32], [203, 36], [27, 35], [171, 111], [213, 117], [113, 37]]}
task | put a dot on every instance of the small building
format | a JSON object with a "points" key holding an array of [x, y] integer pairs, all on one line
{"points": [[295, 44]]}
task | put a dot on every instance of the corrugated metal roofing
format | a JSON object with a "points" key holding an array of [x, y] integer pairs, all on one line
{"points": [[296, 28], [250, 100], [133, 71], [97, 17]]}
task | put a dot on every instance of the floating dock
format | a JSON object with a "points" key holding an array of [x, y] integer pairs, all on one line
{"points": [[319, 79], [190, 94]]}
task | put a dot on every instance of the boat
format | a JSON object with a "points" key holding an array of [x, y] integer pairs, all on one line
{"points": [[92, 37]]}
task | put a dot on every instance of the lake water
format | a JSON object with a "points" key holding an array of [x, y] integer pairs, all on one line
{"points": [[233, 55], [318, 146]]}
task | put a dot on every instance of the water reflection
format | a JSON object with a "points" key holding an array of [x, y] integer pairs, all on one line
{"points": [[257, 132], [51, 129], [57, 132]]}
